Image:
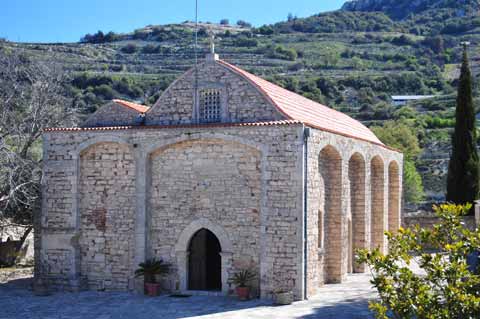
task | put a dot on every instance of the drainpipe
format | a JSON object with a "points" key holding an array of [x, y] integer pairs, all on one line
{"points": [[306, 135]]}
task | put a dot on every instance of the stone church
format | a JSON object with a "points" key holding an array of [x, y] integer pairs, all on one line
{"points": [[225, 172]]}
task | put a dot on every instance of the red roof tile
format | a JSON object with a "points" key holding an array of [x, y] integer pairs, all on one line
{"points": [[137, 107], [188, 126], [146, 127], [297, 107]]}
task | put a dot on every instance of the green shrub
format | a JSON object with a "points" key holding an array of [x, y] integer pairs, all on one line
{"points": [[403, 40], [104, 91], [448, 289], [405, 112], [99, 37], [412, 180], [129, 48], [84, 80], [243, 24], [245, 42], [265, 30], [438, 122], [141, 34], [151, 49], [280, 52]]}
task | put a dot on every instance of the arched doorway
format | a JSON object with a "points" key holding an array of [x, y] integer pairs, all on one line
{"points": [[204, 261]]}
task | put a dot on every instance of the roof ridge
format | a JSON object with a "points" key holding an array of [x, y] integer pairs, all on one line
{"points": [[297, 107], [137, 107], [278, 86]]}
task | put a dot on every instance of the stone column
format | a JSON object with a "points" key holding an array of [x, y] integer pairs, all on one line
{"points": [[182, 264], [386, 199], [226, 265], [140, 218]]}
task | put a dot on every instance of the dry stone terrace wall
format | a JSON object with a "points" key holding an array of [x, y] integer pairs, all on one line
{"points": [[269, 163], [241, 100], [339, 170]]}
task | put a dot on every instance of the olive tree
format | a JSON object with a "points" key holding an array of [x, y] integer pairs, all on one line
{"points": [[33, 96]]}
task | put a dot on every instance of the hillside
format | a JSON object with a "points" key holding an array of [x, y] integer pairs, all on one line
{"points": [[353, 60], [400, 9]]}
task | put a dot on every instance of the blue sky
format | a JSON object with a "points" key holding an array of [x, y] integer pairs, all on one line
{"points": [[68, 20]]}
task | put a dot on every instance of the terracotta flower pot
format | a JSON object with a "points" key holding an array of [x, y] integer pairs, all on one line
{"points": [[243, 292], [152, 289]]}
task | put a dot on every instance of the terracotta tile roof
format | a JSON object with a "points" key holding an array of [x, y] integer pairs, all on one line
{"points": [[137, 107], [147, 127], [297, 107]]}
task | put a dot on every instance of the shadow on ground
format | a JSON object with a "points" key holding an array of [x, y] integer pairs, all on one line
{"points": [[348, 309], [18, 301]]}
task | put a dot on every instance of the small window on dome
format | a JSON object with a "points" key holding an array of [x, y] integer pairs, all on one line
{"points": [[210, 105]]}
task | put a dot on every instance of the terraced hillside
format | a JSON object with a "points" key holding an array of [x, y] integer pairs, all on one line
{"points": [[352, 60]]}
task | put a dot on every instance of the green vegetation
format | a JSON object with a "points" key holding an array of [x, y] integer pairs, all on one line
{"points": [[151, 268], [350, 61], [243, 24], [91, 90], [129, 48], [449, 288], [280, 52], [463, 181], [338, 21], [403, 137], [245, 42], [100, 37]]}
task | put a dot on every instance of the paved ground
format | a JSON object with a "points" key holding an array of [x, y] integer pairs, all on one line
{"points": [[348, 300]]}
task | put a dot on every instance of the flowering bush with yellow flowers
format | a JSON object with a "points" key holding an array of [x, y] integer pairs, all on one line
{"points": [[446, 287]]}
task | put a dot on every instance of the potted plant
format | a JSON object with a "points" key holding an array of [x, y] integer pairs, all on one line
{"points": [[149, 270], [241, 280]]}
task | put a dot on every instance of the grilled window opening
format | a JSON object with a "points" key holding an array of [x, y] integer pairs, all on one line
{"points": [[210, 105]]}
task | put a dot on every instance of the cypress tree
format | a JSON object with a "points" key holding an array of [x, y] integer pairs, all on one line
{"points": [[463, 169]]}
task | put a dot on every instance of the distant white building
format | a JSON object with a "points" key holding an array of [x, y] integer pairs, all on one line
{"points": [[401, 100]]}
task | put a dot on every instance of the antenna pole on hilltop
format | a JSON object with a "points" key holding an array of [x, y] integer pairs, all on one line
{"points": [[212, 43]]}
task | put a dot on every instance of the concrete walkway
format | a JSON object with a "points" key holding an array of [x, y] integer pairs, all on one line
{"points": [[348, 300]]}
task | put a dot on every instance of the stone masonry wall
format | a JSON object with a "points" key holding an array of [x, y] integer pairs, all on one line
{"points": [[107, 213], [353, 184], [212, 179], [275, 190], [203, 162], [243, 102]]}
